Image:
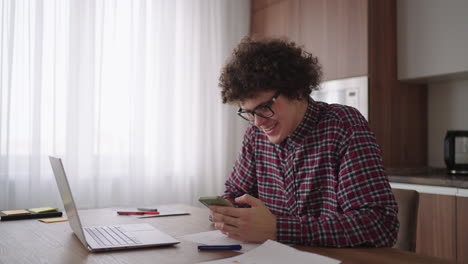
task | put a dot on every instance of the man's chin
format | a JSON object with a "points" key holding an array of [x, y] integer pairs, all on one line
{"points": [[275, 139]]}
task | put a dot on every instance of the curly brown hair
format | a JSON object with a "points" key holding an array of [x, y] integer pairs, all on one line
{"points": [[269, 64]]}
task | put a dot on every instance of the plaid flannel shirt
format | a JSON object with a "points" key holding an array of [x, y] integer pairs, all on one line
{"points": [[325, 184]]}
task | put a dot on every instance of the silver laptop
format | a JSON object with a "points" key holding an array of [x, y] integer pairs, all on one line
{"points": [[103, 238]]}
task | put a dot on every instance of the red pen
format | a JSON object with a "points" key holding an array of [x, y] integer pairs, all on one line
{"points": [[137, 213]]}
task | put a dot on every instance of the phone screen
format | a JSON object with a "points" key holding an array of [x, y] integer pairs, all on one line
{"points": [[214, 200]]}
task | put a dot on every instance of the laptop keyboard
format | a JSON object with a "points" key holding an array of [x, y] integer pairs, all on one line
{"points": [[111, 236]]}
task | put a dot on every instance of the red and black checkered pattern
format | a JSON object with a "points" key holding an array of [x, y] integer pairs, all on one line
{"points": [[326, 183]]}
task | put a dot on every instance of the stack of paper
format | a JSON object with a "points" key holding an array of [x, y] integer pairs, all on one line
{"points": [[272, 252]]}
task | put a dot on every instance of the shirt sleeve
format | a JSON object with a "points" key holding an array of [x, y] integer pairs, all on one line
{"points": [[368, 215], [242, 179]]}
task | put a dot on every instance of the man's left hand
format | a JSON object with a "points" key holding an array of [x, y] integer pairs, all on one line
{"points": [[255, 224]]}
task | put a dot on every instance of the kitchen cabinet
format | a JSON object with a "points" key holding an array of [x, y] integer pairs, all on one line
{"points": [[462, 229], [437, 226], [335, 31], [432, 39], [357, 38], [442, 228], [279, 18]]}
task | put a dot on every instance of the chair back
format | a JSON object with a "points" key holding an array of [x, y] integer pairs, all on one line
{"points": [[408, 203]]}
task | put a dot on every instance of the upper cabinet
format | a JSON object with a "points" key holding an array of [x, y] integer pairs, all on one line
{"points": [[357, 38], [334, 31], [432, 39]]}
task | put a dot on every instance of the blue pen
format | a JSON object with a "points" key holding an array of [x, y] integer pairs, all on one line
{"points": [[220, 247]]}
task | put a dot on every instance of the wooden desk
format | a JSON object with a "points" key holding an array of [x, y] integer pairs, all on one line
{"points": [[31, 241]]}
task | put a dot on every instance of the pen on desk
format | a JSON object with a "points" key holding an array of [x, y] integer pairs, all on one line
{"points": [[220, 247], [147, 209], [137, 213]]}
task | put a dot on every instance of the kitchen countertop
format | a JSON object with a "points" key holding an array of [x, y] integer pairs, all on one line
{"points": [[427, 176]]}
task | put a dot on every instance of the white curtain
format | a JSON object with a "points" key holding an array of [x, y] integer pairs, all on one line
{"points": [[126, 92]]}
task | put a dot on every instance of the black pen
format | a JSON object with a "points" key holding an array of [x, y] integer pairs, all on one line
{"points": [[220, 247]]}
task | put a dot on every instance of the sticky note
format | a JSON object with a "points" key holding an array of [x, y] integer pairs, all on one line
{"points": [[43, 209], [53, 220], [15, 212]]}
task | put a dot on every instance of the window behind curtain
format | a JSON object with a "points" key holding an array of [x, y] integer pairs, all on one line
{"points": [[124, 91]]}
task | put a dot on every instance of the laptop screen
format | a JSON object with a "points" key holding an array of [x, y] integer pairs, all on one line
{"points": [[67, 198]]}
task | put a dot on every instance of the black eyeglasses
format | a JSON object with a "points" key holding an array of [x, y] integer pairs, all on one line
{"points": [[263, 110]]}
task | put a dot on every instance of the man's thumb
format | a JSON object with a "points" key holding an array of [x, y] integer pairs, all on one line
{"points": [[248, 199]]}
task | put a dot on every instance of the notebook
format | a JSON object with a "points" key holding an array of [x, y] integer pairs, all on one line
{"points": [[30, 215], [104, 238]]}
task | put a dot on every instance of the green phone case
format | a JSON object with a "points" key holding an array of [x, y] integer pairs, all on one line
{"points": [[214, 200]]}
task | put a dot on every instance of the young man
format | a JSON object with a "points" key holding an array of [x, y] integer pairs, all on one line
{"points": [[308, 172]]}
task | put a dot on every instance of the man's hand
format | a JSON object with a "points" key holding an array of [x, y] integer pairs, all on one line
{"points": [[255, 224]]}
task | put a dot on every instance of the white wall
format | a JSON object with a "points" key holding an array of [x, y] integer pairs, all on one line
{"points": [[447, 110]]}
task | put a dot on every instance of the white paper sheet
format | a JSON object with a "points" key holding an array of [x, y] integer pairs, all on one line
{"points": [[217, 238], [272, 252]]}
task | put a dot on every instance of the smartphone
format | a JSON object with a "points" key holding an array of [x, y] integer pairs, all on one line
{"points": [[214, 200]]}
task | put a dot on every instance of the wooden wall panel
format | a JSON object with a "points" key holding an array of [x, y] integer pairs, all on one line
{"points": [[383, 88], [413, 117], [397, 111], [437, 234]]}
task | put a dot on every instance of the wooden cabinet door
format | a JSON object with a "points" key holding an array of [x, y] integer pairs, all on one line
{"points": [[462, 229], [333, 30], [318, 36], [336, 32], [352, 49], [437, 223], [276, 19]]}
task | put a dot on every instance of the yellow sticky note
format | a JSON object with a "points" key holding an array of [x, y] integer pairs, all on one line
{"points": [[15, 212], [53, 220], [43, 209]]}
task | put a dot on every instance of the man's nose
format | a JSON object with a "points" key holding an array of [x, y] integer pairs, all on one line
{"points": [[258, 120]]}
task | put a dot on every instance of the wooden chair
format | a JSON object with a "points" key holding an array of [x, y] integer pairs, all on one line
{"points": [[408, 203]]}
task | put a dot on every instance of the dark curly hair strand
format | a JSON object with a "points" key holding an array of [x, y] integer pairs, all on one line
{"points": [[258, 65]]}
